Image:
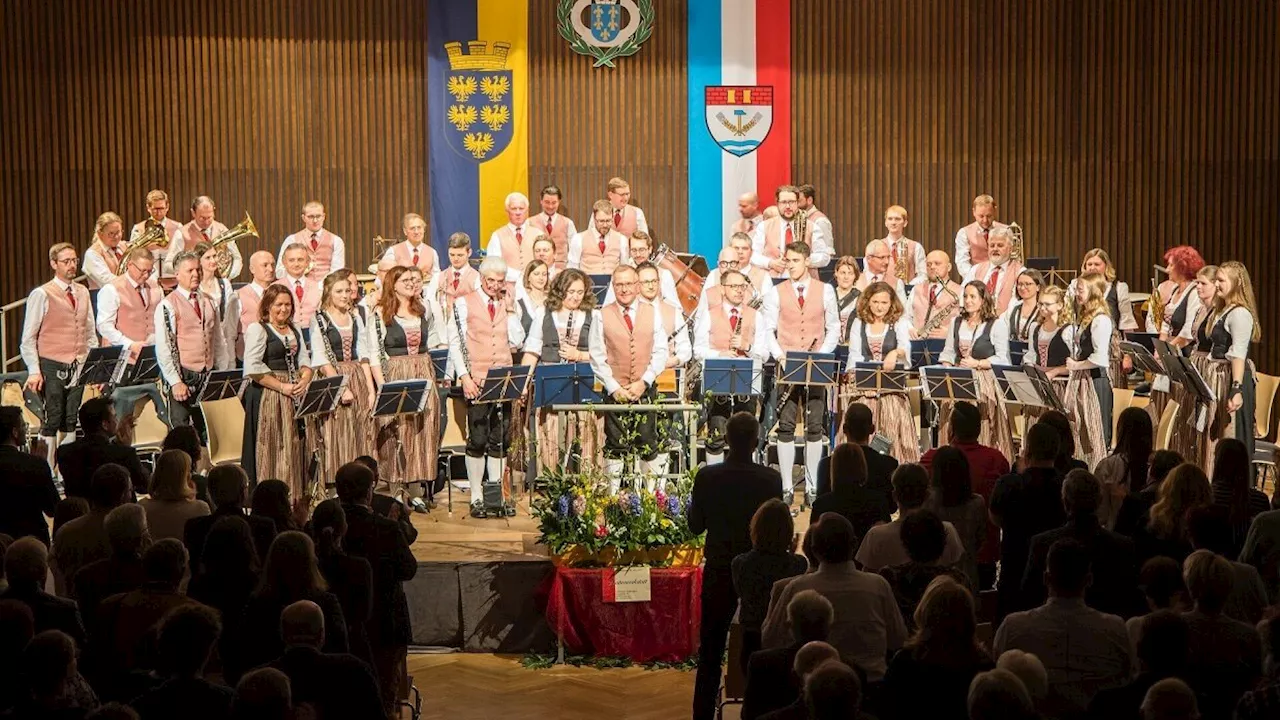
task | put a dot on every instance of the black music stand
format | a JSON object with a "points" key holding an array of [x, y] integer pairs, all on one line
{"points": [[1180, 370], [503, 384], [146, 369], [600, 286], [1142, 357], [401, 397], [102, 366], [730, 377], [1017, 351], [1165, 352], [1045, 386], [871, 377], [809, 368], [564, 384], [949, 384], [221, 385], [1145, 339], [440, 363], [926, 351], [321, 399], [1020, 385]]}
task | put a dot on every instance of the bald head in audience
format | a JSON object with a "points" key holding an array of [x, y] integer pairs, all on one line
{"points": [[1170, 699], [998, 695], [302, 623]]}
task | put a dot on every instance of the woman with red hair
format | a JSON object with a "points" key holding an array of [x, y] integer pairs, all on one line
{"points": [[1181, 304]]}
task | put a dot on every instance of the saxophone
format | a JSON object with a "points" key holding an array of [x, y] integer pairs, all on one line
{"points": [[935, 320], [1156, 305]]}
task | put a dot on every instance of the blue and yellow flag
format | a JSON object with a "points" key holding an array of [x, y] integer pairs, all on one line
{"points": [[478, 114]]}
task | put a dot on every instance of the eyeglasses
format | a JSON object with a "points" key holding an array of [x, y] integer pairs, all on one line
{"points": [[1027, 285], [624, 286], [647, 283], [66, 261], [735, 286], [879, 257]]}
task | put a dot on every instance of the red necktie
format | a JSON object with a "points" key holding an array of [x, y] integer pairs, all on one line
{"points": [[800, 296], [71, 297], [297, 289], [492, 312], [993, 281], [790, 236], [457, 277], [933, 294], [519, 237], [415, 257], [985, 232], [617, 218], [733, 320], [119, 255], [550, 225], [602, 245], [626, 315], [142, 294], [195, 303], [315, 242], [751, 225]]}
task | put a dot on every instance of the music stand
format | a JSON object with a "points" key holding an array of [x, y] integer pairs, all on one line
{"points": [[503, 384], [1028, 386], [949, 383], [1180, 370], [102, 366], [925, 351], [730, 377], [440, 363], [1142, 357], [809, 368], [1017, 351], [146, 369], [321, 399], [564, 384], [221, 385], [1146, 340], [1043, 264], [1060, 276], [600, 286], [401, 397], [872, 378]]}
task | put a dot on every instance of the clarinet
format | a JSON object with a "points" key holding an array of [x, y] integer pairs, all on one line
{"points": [[323, 321], [462, 341], [382, 342], [290, 359]]}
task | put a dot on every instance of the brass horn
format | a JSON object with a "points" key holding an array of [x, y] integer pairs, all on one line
{"points": [[1017, 250], [152, 237], [243, 229]]}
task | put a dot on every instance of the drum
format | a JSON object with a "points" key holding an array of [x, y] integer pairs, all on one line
{"points": [[688, 283]]}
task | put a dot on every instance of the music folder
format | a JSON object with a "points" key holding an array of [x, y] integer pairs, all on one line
{"points": [[440, 363], [1142, 357], [222, 384], [1180, 370], [102, 366], [949, 383], [1017, 384], [1145, 339], [146, 369], [809, 368], [730, 376], [925, 352], [600, 286], [401, 397], [322, 396], [564, 384], [504, 384], [871, 377]]}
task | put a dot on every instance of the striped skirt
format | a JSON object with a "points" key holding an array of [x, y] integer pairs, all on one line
{"points": [[893, 418], [348, 432], [274, 437], [1085, 410], [997, 431], [409, 445]]}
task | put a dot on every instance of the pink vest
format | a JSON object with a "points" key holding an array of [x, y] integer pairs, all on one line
{"points": [[250, 301], [109, 257], [517, 254], [302, 310], [449, 291], [195, 334], [907, 252], [628, 352], [775, 237], [595, 262], [669, 324], [743, 225], [628, 225], [978, 241], [61, 334], [192, 235], [135, 320], [426, 258], [321, 255], [487, 342], [801, 329], [1004, 288], [558, 232], [715, 296], [945, 305], [721, 335]]}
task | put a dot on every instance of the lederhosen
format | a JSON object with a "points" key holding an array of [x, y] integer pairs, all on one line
{"points": [[185, 412]]}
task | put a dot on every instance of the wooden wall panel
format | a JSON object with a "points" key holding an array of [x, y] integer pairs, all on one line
{"points": [[590, 124], [1133, 126]]}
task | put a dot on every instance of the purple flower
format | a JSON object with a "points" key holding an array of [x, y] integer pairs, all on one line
{"points": [[633, 504], [673, 505], [562, 506]]}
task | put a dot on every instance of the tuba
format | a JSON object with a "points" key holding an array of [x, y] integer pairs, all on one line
{"points": [[243, 229], [152, 237]]}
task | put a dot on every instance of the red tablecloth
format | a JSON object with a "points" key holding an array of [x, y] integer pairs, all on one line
{"points": [[665, 628]]}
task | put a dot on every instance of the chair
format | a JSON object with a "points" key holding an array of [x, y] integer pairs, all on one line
{"points": [[1264, 453], [1164, 432], [735, 683], [1123, 399], [225, 422]]}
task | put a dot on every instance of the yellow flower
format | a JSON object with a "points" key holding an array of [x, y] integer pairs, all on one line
{"points": [[495, 116], [478, 144], [461, 116], [495, 86], [461, 87]]}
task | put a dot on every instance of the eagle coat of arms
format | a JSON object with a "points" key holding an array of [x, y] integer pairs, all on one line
{"points": [[477, 96]]}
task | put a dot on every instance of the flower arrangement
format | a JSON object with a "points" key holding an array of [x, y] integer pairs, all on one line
{"points": [[583, 525]]}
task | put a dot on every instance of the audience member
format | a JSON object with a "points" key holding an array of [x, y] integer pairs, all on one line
{"points": [[264, 694], [271, 500], [883, 545], [84, 540], [228, 578], [349, 578], [17, 627], [389, 507], [1226, 655], [187, 636], [79, 460], [1263, 702], [986, 466], [1262, 551], [1233, 490], [1124, 472], [1025, 504], [1170, 699], [229, 488], [27, 492], [772, 557], [5, 542], [832, 692], [1028, 668], [291, 573], [1209, 528], [868, 625], [999, 695], [127, 532], [770, 685], [1133, 515], [808, 658], [849, 495], [26, 565], [1111, 556], [380, 541], [1066, 459], [943, 655], [1083, 650], [1165, 532], [859, 426], [951, 496], [48, 672], [925, 538], [334, 685], [725, 497], [112, 711], [1161, 583], [172, 500], [68, 509], [1161, 652], [187, 439]]}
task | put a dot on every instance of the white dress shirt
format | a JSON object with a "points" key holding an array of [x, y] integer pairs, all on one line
{"points": [[600, 354], [255, 346], [230, 313], [999, 339], [179, 239], [684, 348], [702, 349], [223, 354], [769, 314], [822, 243], [515, 332], [304, 236], [963, 263], [431, 290], [898, 288], [37, 306], [109, 308], [363, 349], [95, 265], [902, 331]]}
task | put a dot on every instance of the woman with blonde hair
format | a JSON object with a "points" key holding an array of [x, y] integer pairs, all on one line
{"points": [[404, 332], [171, 500], [1088, 395], [1165, 533], [978, 339], [1233, 326], [1119, 308], [881, 334], [278, 366], [341, 345], [103, 260], [1189, 437], [219, 291]]}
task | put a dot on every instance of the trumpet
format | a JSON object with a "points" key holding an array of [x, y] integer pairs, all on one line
{"points": [[245, 228], [152, 237]]}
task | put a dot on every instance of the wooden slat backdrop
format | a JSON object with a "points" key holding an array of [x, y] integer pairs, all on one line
{"points": [[1133, 125]]}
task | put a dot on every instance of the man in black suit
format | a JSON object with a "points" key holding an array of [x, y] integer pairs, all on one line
{"points": [[380, 541], [859, 425], [77, 460], [27, 492], [336, 685], [26, 565], [187, 636], [1111, 555], [389, 507], [725, 497], [770, 682], [229, 490]]}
